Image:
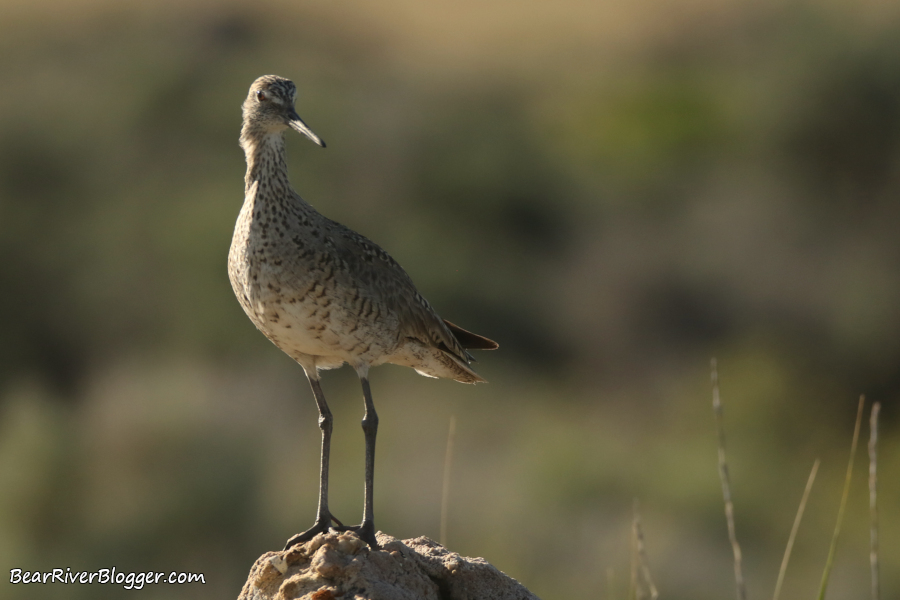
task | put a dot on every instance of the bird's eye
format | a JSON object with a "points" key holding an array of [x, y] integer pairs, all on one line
{"points": [[261, 96]]}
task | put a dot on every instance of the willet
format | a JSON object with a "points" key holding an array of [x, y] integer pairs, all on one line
{"points": [[325, 294]]}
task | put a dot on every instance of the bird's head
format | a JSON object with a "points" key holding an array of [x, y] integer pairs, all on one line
{"points": [[269, 108]]}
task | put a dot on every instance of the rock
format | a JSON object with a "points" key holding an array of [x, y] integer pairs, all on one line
{"points": [[334, 566]]}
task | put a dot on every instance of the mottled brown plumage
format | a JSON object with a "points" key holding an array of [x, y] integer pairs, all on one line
{"points": [[323, 293]]}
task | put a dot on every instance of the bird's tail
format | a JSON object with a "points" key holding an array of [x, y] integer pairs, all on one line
{"points": [[469, 340]]}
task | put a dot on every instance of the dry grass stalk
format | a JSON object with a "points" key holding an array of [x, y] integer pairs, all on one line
{"points": [[445, 493], [726, 487], [873, 498], [796, 526], [641, 555], [633, 587], [840, 518]]}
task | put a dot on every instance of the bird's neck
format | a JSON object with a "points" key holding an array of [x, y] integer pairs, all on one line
{"points": [[265, 161]]}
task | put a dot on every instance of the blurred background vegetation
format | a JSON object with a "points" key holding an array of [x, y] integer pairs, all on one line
{"points": [[615, 192]]}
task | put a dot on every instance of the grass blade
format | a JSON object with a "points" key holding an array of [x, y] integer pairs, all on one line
{"points": [[726, 486], [642, 554], [796, 526], [445, 493], [840, 518], [633, 587], [873, 497]]}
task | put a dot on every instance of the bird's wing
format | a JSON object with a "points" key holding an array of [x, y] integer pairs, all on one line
{"points": [[394, 291]]}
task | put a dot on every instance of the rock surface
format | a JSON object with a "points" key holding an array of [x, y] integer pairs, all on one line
{"points": [[335, 566]]}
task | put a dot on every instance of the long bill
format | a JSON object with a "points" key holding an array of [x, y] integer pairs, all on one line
{"points": [[297, 124]]}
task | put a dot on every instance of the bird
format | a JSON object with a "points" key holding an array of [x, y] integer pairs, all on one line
{"points": [[326, 295]]}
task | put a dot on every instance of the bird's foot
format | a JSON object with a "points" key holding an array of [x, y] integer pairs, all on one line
{"points": [[322, 524], [366, 532]]}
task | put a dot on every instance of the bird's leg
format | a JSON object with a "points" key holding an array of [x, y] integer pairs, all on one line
{"points": [[366, 530], [323, 516]]}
